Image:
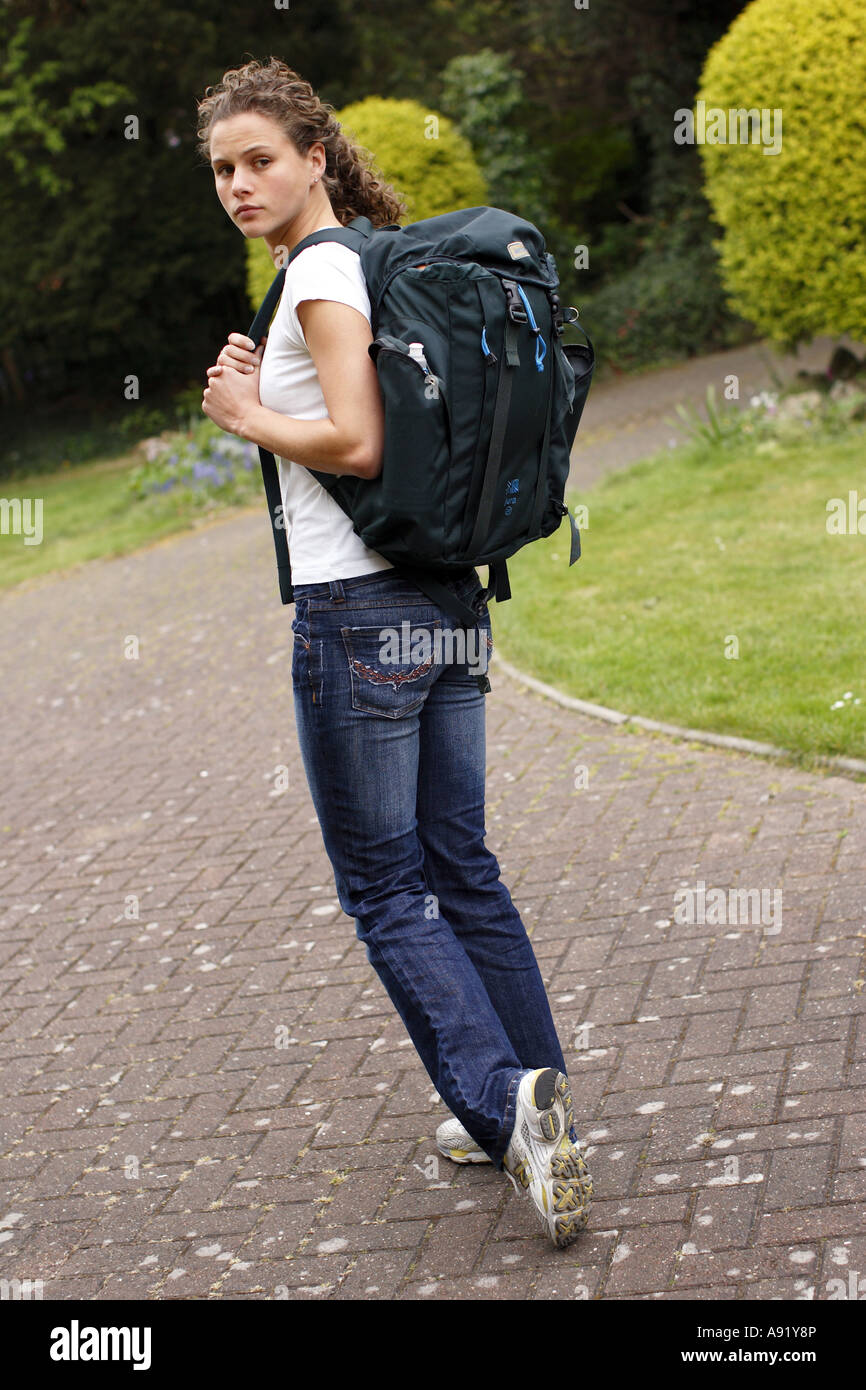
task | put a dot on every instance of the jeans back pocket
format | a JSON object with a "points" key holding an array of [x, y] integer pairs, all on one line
{"points": [[392, 668]]}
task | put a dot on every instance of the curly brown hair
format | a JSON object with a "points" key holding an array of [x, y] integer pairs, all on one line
{"points": [[353, 184]]}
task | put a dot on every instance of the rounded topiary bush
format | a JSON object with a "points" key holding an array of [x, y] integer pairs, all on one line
{"points": [[792, 255], [416, 150]]}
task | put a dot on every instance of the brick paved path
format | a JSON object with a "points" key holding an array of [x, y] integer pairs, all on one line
{"points": [[216, 1100]]}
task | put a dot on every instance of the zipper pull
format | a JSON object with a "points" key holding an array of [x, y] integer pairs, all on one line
{"points": [[431, 381], [416, 352]]}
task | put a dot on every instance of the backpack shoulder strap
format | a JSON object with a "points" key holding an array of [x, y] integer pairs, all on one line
{"points": [[352, 236]]}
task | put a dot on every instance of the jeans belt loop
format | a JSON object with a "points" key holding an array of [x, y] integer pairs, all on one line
{"points": [[337, 592]]}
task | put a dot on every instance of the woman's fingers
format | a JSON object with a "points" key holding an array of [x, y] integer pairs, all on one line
{"points": [[230, 357], [239, 353]]}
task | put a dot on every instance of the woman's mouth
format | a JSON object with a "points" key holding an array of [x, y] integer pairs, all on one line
{"points": [[247, 211]]}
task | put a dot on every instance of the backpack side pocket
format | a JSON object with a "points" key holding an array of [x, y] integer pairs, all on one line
{"points": [[410, 497]]}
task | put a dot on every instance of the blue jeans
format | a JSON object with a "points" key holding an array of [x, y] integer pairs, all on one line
{"points": [[393, 745]]}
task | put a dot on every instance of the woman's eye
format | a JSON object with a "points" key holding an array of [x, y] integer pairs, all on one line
{"points": [[227, 168]]}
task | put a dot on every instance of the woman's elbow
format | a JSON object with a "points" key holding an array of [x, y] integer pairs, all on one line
{"points": [[366, 461]]}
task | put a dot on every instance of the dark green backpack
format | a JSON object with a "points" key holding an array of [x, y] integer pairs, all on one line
{"points": [[479, 424]]}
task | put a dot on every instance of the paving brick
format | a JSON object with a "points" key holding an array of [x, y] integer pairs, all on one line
{"points": [[840, 1219], [733, 1068], [575, 1281], [644, 1259], [748, 1101], [474, 1288], [440, 1199], [377, 1276], [799, 1177]]}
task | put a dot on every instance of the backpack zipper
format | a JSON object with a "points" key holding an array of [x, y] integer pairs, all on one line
{"points": [[453, 260]]}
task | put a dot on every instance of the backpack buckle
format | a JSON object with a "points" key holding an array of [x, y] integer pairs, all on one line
{"points": [[516, 311]]}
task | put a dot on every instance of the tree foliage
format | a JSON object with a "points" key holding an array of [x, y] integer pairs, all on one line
{"points": [[116, 257], [792, 254], [483, 93]]}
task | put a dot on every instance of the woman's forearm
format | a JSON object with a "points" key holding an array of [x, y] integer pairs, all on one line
{"points": [[313, 443]]}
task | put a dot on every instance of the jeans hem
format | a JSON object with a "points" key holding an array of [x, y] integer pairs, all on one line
{"points": [[498, 1152]]}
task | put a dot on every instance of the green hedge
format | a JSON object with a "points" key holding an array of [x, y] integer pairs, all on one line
{"points": [[792, 255]]}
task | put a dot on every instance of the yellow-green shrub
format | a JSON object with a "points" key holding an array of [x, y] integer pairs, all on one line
{"points": [[793, 255], [432, 173]]}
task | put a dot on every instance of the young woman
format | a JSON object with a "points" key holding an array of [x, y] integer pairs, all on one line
{"points": [[394, 755]]}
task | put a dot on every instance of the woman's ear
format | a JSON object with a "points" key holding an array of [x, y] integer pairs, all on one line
{"points": [[318, 161]]}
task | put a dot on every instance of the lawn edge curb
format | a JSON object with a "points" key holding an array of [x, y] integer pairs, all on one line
{"points": [[614, 716]]}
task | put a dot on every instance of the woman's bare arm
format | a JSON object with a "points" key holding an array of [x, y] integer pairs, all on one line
{"points": [[350, 438]]}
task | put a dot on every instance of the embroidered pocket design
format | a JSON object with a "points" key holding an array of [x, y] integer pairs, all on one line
{"points": [[369, 673]]}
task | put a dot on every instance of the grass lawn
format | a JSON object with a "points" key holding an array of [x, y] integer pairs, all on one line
{"points": [[684, 552], [88, 511]]}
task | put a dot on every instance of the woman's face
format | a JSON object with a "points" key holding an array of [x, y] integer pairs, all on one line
{"points": [[257, 166]]}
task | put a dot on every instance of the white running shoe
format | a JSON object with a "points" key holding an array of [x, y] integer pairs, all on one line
{"points": [[543, 1158], [457, 1143]]}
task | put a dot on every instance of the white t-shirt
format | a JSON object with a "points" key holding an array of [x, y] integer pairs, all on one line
{"points": [[322, 544]]}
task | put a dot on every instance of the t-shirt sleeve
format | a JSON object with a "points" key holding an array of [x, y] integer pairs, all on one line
{"points": [[328, 271]]}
